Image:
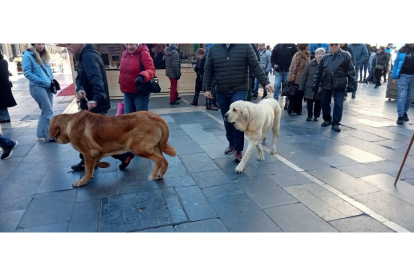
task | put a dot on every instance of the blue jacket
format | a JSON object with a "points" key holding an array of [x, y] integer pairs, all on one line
{"points": [[315, 46], [399, 61], [360, 53], [34, 73]]}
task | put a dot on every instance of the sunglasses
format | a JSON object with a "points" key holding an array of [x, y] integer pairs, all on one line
{"points": [[333, 45]]}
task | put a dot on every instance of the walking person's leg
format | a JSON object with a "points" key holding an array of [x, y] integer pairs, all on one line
{"points": [[309, 105], [338, 107], [197, 90], [378, 73], [410, 94], [278, 82], [44, 99], [264, 89], [284, 80], [326, 106], [356, 83], [173, 91], [4, 115], [142, 102], [238, 136], [403, 82], [317, 110], [256, 87], [224, 100], [8, 147]]}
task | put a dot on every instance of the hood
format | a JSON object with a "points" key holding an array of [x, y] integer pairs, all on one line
{"points": [[89, 48], [169, 50], [141, 48], [28, 52]]}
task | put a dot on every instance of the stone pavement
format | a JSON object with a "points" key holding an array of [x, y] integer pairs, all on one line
{"points": [[320, 181]]}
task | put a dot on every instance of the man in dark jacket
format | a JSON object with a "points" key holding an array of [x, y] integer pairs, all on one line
{"points": [[92, 87], [230, 64], [282, 55], [335, 72], [173, 71], [379, 63]]}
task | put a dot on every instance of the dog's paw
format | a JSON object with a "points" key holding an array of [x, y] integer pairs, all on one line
{"points": [[239, 169], [103, 165], [273, 152], [79, 183], [261, 158]]}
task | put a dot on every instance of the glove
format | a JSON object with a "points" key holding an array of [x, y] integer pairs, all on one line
{"points": [[139, 81], [315, 89], [350, 89]]}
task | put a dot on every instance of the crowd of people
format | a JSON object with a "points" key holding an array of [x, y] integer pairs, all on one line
{"points": [[225, 73]]}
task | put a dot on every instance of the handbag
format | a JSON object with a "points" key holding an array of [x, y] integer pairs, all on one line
{"points": [[151, 86], [54, 85], [289, 89], [378, 66]]}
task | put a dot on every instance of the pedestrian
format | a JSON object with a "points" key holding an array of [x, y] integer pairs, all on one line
{"points": [[360, 53], [282, 55], [270, 50], [230, 64], [92, 87], [132, 77], [313, 99], [371, 76], [251, 76], [36, 68], [404, 73], [159, 56], [173, 71], [266, 64], [387, 50], [8, 147], [212, 104], [335, 72], [299, 61], [6, 96], [379, 63]]}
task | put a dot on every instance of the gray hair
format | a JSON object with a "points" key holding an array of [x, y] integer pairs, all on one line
{"points": [[320, 50]]}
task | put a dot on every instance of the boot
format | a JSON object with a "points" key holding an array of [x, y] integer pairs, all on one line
{"points": [[215, 103], [195, 99], [210, 105]]}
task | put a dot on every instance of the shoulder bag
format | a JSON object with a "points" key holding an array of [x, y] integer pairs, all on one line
{"points": [[151, 86]]}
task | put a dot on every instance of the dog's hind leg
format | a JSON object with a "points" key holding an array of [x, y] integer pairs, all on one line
{"points": [[275, 131], [261, 156], [89, 169], [164, 165]]}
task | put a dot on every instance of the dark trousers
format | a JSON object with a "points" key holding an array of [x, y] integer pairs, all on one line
{"points": [[378, 74], [251, 88], [385, 73], [295, 103], [198, 86], [314, 108], [234, 136], [339, 96]]}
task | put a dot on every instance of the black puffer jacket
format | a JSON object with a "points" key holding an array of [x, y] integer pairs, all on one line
{"points": [[172, 63], [230, 67], [382, 59], [92, 78], [340, 64], [199, 69], [282, 55]]}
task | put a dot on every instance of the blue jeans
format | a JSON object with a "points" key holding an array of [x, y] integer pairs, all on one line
{"points": [[339, 96], [136, 102], [280, 77], [256, 87], [364, 67], [5, 142], [356, 80], [44, 98], [234, 136], [405, 93], [4, 114]]}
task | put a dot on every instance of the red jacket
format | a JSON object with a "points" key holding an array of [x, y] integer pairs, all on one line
{"points": [[130, 69]]}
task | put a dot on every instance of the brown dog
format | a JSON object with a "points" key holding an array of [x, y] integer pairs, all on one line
{"points": [[97, 136]]}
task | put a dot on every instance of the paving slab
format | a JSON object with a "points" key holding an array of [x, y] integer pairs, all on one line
{"points": [[195, 204], [209, 225], [338, 160], [85, 217], [240, 214], [362, 224], [272, 168], [175, 208], [102, 185], [163, 229], [198, 162], [222, 190], [359, 170], [287, 179], [229, 165], [211, 178], [357, 154], [10, 220], [51, 228], [298, 218]]}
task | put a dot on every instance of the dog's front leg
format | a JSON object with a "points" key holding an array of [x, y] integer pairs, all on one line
{"points": [[89, 169], [246, 156]]}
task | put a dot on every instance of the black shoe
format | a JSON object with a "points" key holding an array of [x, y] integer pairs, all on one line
{"points": [[178, 98], [8, 151], [400, 120], [309, 119], [195, 104], [316, 119], [52, 140], [4, 121], [175, 103], [126, 161], [376, 86], [336, 128], [326, 123], [79, 167], [353, 95], [406, 117]]}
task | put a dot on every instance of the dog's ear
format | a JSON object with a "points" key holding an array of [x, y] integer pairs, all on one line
{"points": [[245, 114]]}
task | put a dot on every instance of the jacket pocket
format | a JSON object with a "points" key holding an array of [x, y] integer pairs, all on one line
{"points": [[339, 83]]}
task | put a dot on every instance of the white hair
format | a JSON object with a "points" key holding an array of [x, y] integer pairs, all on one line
{"points": [[320, 50]]}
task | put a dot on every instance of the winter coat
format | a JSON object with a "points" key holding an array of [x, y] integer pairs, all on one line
{"points": [[199, 69], [282, 55], [92, 79], [172, 63], [349, 50], [381, 59], [6, 96], [34, 73], [265, 60], [399, 60], [339, 64], [360, 52], [230, 67], [306, 81], [130, 69], [299, 61]]}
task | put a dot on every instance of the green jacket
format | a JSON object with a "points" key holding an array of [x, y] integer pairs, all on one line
{"points": [[231, 68]]}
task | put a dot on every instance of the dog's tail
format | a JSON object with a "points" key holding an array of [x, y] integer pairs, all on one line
{"points": [[163, 144]]}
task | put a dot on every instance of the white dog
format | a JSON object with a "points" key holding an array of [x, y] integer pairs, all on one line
{"points": [[255, 120]]}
